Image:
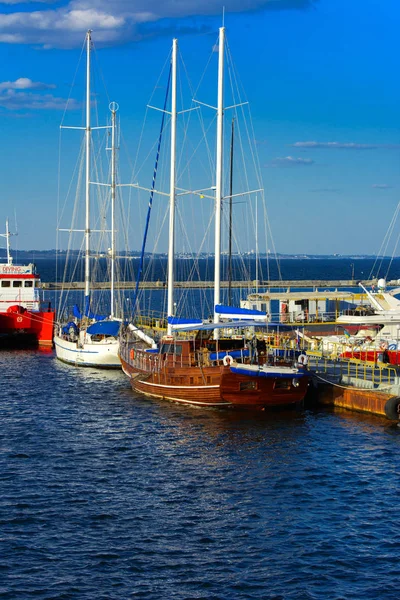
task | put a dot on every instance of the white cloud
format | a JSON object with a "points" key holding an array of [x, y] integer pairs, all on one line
{"points": [[290, 161], [25, 1], [23, 83], [381, 186], [344, 146], [20, 100], [116, 20]]}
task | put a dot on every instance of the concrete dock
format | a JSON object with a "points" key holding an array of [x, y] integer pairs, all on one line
{"points": [[269, 285]]}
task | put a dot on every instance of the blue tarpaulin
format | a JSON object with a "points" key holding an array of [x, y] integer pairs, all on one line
{"points": [[235, 312], [104, 328], [244, 352], [179, 321], [88, 313], [231, 325], [70, 325]]}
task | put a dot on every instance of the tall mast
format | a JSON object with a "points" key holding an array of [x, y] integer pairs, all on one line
{"points": [[257, 253], [230, 218], [87, 183], [113, 108], [218, 182], [171, 243]]}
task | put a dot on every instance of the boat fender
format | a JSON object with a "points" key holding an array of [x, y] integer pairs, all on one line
{"points": [[302, 360], [227, 360], [132, 354], [295, 382], [392, 408], [392, 347]]}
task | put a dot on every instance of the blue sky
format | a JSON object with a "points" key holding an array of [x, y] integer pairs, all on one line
{"points": [[321, 77]]}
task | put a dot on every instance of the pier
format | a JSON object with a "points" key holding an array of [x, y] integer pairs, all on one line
{"points": [[356, 385], [263, 284]]}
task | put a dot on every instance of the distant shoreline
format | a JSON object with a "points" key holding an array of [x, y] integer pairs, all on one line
{"points": [[33, 255]]}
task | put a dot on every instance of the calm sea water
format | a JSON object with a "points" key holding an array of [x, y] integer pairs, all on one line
{"points": [[199, 304], [244, 268], [106, 495]]}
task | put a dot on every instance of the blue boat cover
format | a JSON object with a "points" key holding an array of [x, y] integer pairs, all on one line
{"points": [[233, 353], [269, 374], [232, 325], [232, 311], [88, 313], [67, 327], [104, 328], [179, 321], [77, 313]]}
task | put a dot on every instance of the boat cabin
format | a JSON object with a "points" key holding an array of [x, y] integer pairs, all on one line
{"points": [[19, 286]]}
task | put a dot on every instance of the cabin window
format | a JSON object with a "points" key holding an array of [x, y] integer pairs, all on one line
{"points": [[171, 349], [264, 307], [6, 284], [282, 384], [28, 283], [248, 385], [17, 283]]}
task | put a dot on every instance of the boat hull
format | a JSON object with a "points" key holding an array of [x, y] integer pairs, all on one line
{"points": [[95, 354], [215, 387], [27, 327]]}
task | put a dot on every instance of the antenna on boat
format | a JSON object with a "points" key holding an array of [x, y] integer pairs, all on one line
{"points": [[7, 235]]}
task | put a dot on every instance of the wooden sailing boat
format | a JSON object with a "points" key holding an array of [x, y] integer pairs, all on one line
{"points": [[197, 370], [89, 339]]}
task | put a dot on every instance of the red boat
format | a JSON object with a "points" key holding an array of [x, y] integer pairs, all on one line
{"points": [[391, 357], [23, 321]]}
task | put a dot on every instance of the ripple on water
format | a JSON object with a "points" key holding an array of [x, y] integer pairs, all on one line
{"points": [[106, 495]]}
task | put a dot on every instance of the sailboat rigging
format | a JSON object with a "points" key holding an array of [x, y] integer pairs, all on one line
{"points": [[187, 365], [87, 338]]}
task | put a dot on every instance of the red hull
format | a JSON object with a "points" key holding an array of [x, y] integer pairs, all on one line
{"points": [[374, 356], [29, 325]]}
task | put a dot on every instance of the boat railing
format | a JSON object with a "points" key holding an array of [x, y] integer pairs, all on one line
{"points": [[372, 374], [304, 317]]}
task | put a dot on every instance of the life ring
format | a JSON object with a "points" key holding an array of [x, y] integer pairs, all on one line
{"points": [[302, 360], [383, 346], [19, 319], [132, 354], [227, 360]]}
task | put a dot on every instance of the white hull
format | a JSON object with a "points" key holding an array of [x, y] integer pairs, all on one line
{"points": [[102, 354]]}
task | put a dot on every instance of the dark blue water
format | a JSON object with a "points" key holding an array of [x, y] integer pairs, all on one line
{"points": [[106, 495], [243, 268], [192, 303]]}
